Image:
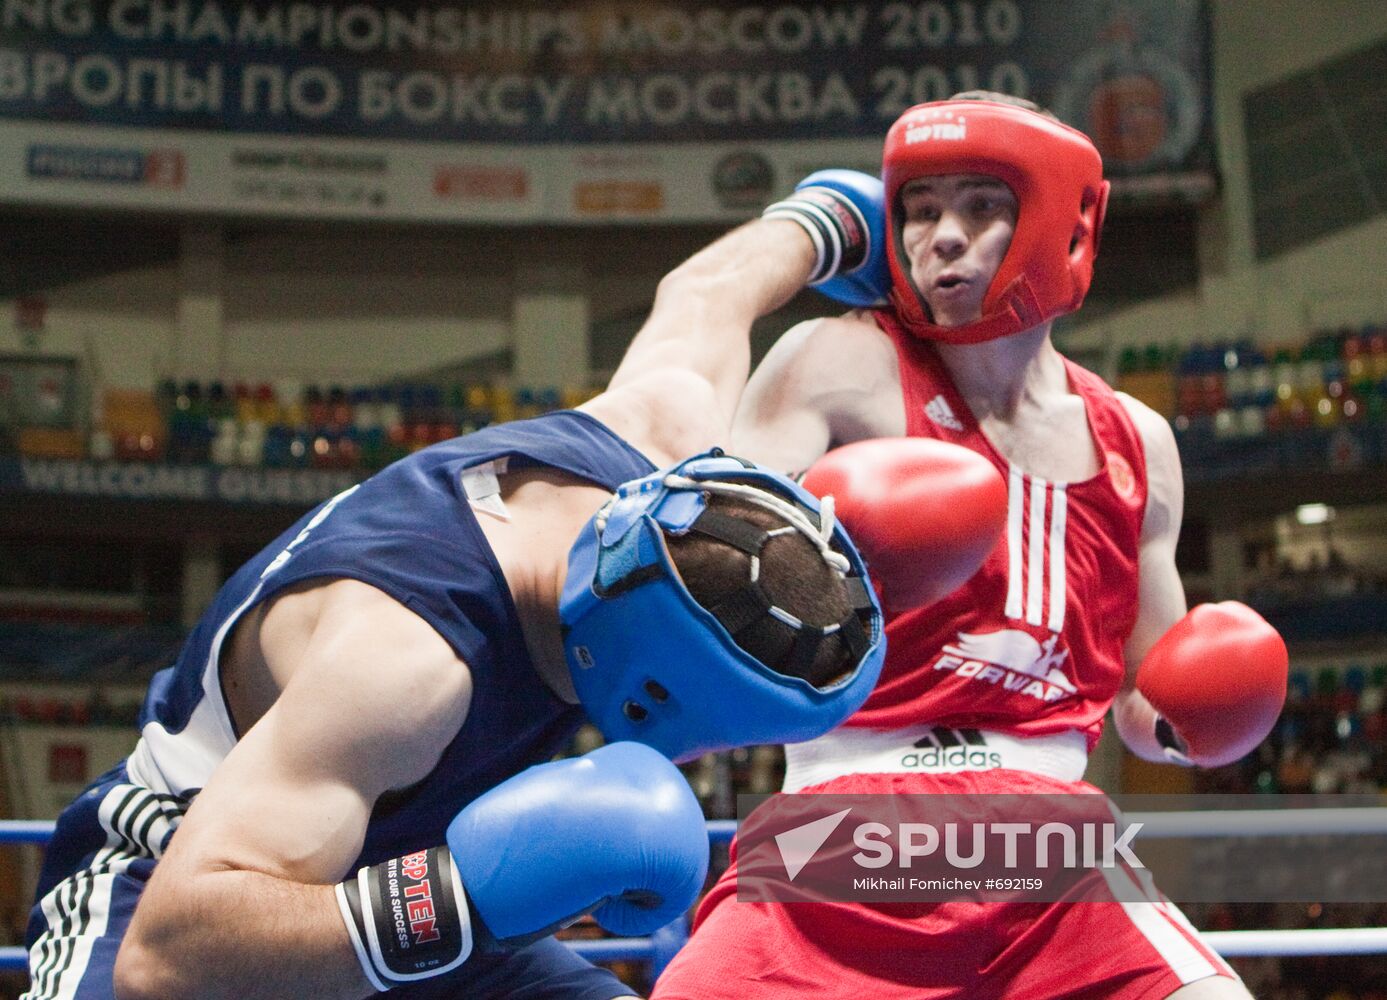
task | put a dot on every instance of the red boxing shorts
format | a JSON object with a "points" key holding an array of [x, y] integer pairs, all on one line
{"points": [[930, 951]]}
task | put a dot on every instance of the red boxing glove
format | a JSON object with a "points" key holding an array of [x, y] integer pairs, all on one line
{"points": [[1218, 680], [924, 513]]}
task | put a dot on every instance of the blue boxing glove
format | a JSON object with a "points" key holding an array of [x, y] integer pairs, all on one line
{"points": [[616, 833], [844, 213]]}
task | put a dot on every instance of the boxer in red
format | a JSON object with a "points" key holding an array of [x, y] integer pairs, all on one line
{"points": [[992, 216]]}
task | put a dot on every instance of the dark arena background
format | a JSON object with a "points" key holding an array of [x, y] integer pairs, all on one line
{"points": [[252, 252]]}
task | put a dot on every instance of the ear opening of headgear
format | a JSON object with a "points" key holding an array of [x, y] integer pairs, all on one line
{"points": [[1056, 174], [650, 663]]}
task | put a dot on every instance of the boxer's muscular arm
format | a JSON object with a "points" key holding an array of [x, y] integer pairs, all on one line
{"points": [[783, 420], [1160, 594], [242, 905], [678, 384], [826, 382]]}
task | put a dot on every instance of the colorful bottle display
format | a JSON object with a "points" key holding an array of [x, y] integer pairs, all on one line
{"points": [[291, 425], [1234, 404]]}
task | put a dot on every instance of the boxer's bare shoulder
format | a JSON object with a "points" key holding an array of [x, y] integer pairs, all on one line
{"points": [[268, 646], [1164, 478], [1153, 428], [668, 413], [826, 382]]}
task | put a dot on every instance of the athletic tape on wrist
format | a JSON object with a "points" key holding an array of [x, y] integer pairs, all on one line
{"points": [[846, 235], [407, 918], [849, 221], [828, 244]]}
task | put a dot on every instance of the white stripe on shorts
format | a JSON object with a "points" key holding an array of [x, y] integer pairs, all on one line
{"points": [[1186, 960], [76, 911], [1178, 915]]}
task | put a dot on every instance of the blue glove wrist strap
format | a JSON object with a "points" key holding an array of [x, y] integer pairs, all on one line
{"points": [[408, 918]]}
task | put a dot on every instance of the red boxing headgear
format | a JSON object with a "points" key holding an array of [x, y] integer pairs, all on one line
{"points": [[1057, 177]]}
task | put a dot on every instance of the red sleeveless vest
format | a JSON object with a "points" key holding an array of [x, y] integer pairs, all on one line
{"points": [[1032, 643]]}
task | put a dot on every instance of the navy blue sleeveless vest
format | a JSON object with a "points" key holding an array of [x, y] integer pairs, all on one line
{"points": [[409, 531]]}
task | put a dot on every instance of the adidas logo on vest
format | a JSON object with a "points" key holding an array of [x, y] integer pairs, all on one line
{"points": [[939, 411]]}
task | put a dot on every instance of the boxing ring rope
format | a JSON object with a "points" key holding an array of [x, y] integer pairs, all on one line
{"points": [[660, 947], [26, 831], [1211, 823]]}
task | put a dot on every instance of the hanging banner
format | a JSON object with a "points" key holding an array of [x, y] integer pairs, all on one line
{"points": [[138, 481], [556, 111]]}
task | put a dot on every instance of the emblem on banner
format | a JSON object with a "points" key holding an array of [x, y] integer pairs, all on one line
{"points": [[1138, 103], [743, 180]]}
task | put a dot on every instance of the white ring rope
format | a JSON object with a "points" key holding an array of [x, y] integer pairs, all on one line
{"points": [[1155, 825], [1229, 944], [1310, 941], [1346, 821], [1260, 822]]}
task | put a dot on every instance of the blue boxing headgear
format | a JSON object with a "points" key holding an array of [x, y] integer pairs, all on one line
{"points": [[649, 663]]}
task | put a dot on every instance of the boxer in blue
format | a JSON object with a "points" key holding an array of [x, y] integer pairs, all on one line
{"points": [[351, 746]]}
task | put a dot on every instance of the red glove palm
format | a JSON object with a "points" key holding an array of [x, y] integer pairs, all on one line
{"points": [[1218, 680], [924, 513]]}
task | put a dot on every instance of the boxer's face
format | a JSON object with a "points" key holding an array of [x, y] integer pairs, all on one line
{"points": [[956, 232]]}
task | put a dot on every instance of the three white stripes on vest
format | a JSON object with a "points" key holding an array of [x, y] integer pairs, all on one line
{"points": [[1036, 512]]}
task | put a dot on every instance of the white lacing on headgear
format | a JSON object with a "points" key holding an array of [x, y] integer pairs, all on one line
{"points": [[820, 536]]}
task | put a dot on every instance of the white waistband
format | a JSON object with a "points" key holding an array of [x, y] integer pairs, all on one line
{"points": [[926, 749]]}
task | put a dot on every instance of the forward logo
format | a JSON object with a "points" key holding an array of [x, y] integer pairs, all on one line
{"points": [[942, 414], [1014, 659]]}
